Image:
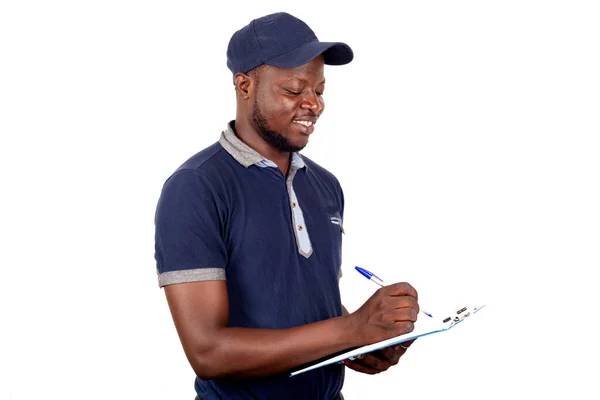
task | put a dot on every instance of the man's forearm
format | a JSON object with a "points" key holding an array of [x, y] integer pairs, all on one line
{"points": [[214, 349], [246, 352]]}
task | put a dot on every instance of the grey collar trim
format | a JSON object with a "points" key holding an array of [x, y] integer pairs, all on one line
{"points": [[239, 150], [246, 155]]}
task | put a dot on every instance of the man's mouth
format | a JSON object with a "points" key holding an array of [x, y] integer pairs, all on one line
{"points": [[305, 123]]}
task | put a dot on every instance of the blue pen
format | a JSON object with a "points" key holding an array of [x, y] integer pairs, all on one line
{"points": [[374, 278]]}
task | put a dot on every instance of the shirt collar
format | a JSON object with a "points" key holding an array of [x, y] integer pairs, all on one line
{"points": [[246, 155]]}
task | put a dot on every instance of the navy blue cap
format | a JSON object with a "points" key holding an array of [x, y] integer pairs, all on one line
{"points": [[283, 41]]}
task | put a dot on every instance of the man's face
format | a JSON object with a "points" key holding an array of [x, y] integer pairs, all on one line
{"points": [[288, 103]]}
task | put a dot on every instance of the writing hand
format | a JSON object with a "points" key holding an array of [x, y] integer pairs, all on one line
{"points": [[390, 311]]}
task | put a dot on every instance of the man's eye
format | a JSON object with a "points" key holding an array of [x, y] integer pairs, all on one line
{"points": [[292, 92], [319, 93]]}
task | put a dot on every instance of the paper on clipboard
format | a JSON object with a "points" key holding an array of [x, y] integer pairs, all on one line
{"points": [[423, 327]]}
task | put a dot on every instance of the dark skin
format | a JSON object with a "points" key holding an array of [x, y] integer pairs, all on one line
{"points": [[283, 97], [377, 361], [280, 102]]}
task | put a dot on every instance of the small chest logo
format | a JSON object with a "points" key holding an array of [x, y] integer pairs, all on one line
{"points": [[338, 221]]}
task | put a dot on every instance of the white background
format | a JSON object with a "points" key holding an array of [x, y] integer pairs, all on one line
{"points": [[465, 135]]}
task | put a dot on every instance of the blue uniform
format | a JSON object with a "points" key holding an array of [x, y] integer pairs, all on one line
{"points": [[228, 213]]}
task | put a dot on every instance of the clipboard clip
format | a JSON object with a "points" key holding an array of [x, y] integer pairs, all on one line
{"points": [[461, 314]]}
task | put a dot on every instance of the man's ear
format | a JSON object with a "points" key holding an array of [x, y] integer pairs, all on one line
{"points": [[242, 83]]}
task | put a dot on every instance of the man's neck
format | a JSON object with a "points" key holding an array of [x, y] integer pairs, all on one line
{"points": [[250, 137]]}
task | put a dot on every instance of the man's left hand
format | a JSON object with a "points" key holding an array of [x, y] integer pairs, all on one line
{"points": [[379, 360]]}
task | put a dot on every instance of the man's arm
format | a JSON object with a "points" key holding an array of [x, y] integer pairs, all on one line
{"points": [[344, 311], [200, 312]]}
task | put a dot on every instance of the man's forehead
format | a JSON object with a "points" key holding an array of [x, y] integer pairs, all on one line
{"points": [[313, 70]]}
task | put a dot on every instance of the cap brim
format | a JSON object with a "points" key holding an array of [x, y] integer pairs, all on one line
{"points": [[334, 53]]}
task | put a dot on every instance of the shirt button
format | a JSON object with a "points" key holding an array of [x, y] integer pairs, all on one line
{"points": [[294, 204], [300, 227]]}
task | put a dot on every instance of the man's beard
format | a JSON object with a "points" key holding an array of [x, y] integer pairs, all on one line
{"points": [[275, 139]]}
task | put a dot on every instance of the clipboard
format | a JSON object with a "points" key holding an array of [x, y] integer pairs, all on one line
{"points": [[423, 327]]}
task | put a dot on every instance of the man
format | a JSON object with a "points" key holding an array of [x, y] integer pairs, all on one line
{"points": [[249, 234]]}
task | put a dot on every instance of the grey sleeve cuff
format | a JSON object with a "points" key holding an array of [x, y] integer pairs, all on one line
{"points": [[191, 275]]}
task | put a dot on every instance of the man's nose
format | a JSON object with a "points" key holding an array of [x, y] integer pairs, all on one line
{"points": [[313, 102]]}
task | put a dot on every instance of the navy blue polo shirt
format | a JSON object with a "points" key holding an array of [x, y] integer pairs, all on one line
{"points": [[230, 214]]}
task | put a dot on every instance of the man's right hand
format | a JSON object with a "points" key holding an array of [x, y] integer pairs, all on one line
{"points": [[391, 311]]}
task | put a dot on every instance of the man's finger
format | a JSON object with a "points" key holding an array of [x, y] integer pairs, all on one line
{"points": [[403, 314], [387, 353], [372, 361], [399, 302], [358, 366], [392, 354], [401, 289]]}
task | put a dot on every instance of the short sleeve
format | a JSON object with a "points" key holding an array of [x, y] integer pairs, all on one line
{"points": [[189, 245]]}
